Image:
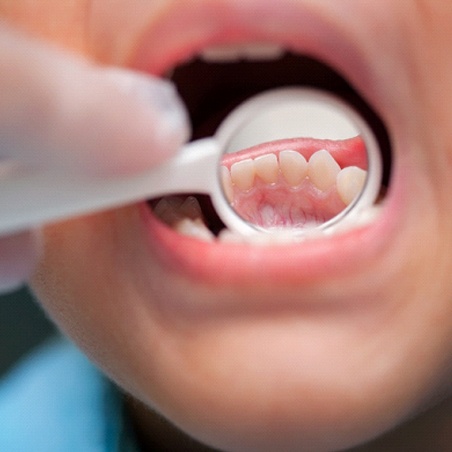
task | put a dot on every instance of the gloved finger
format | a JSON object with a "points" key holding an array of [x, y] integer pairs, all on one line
{"points": [[56, 109]]}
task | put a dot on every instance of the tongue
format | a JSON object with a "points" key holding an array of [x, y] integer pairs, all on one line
{"points": [[267, 195]]}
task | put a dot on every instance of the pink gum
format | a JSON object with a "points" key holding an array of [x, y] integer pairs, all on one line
{"points": [[349, 152]]}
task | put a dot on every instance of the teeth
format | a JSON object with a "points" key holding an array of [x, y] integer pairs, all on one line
{"points": [[194, 228], [350, 182], [323, 170], [167, 209], [263, 51], [221, 54], [294, 167], [190, 208], [243, 173], [226, 182], [267, 168], [173, 209], [184, 214], [252, 52]]}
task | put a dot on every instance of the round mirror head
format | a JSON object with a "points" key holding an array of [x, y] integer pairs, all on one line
{"points": [[296, 160]]}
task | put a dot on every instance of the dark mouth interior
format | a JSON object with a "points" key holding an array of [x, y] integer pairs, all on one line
{"points": [[211, 90]]}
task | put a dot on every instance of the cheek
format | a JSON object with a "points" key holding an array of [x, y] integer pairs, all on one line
{"points": [[63, 23], [79, 282], [94, 283]]}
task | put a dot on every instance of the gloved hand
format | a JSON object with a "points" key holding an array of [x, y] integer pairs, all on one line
{"points": [[58, 110]]}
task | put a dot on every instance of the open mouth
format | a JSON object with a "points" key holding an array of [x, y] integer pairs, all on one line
{"points": [[295, 183]]}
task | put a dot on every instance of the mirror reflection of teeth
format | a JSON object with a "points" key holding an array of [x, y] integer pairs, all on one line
{"points": [[294, 167], [267, 168], [226, 183], [350, 182], [322, 171], [243, 174]]}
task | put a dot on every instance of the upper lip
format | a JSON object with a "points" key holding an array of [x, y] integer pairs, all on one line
{"points": [[182, 31]]}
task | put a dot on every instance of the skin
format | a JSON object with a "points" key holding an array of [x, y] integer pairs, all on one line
{"points": [[302, 377]]}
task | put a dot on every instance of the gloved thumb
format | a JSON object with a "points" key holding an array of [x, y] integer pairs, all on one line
{"points": [[59, 110]]}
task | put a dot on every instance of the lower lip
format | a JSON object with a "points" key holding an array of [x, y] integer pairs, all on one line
{"points": [[315, 260], [293, 264]]}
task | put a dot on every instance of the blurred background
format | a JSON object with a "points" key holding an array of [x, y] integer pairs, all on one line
{"points": [[23, 326]]}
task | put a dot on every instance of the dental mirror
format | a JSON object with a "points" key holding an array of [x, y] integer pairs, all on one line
{"points": [[295, 160], [290, 160]]}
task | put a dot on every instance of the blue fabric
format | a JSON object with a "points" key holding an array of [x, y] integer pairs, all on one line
{"points": [[56, 401]]}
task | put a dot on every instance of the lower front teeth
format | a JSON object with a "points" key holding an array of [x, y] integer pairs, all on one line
{"points": [[184, 215], [172, 209], [194, 228]]}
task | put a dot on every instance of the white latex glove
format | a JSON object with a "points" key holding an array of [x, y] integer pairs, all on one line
{"points": [[58, 110]]}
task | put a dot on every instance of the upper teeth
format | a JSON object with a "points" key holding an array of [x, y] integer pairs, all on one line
{"points": [[229, 53]]}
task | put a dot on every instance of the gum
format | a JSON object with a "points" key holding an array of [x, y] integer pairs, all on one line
{"points": [[292, 207], [350, 152]]}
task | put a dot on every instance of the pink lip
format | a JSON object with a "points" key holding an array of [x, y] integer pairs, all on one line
{"points": [[182, 32], [294, 264], [183, 29]]}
